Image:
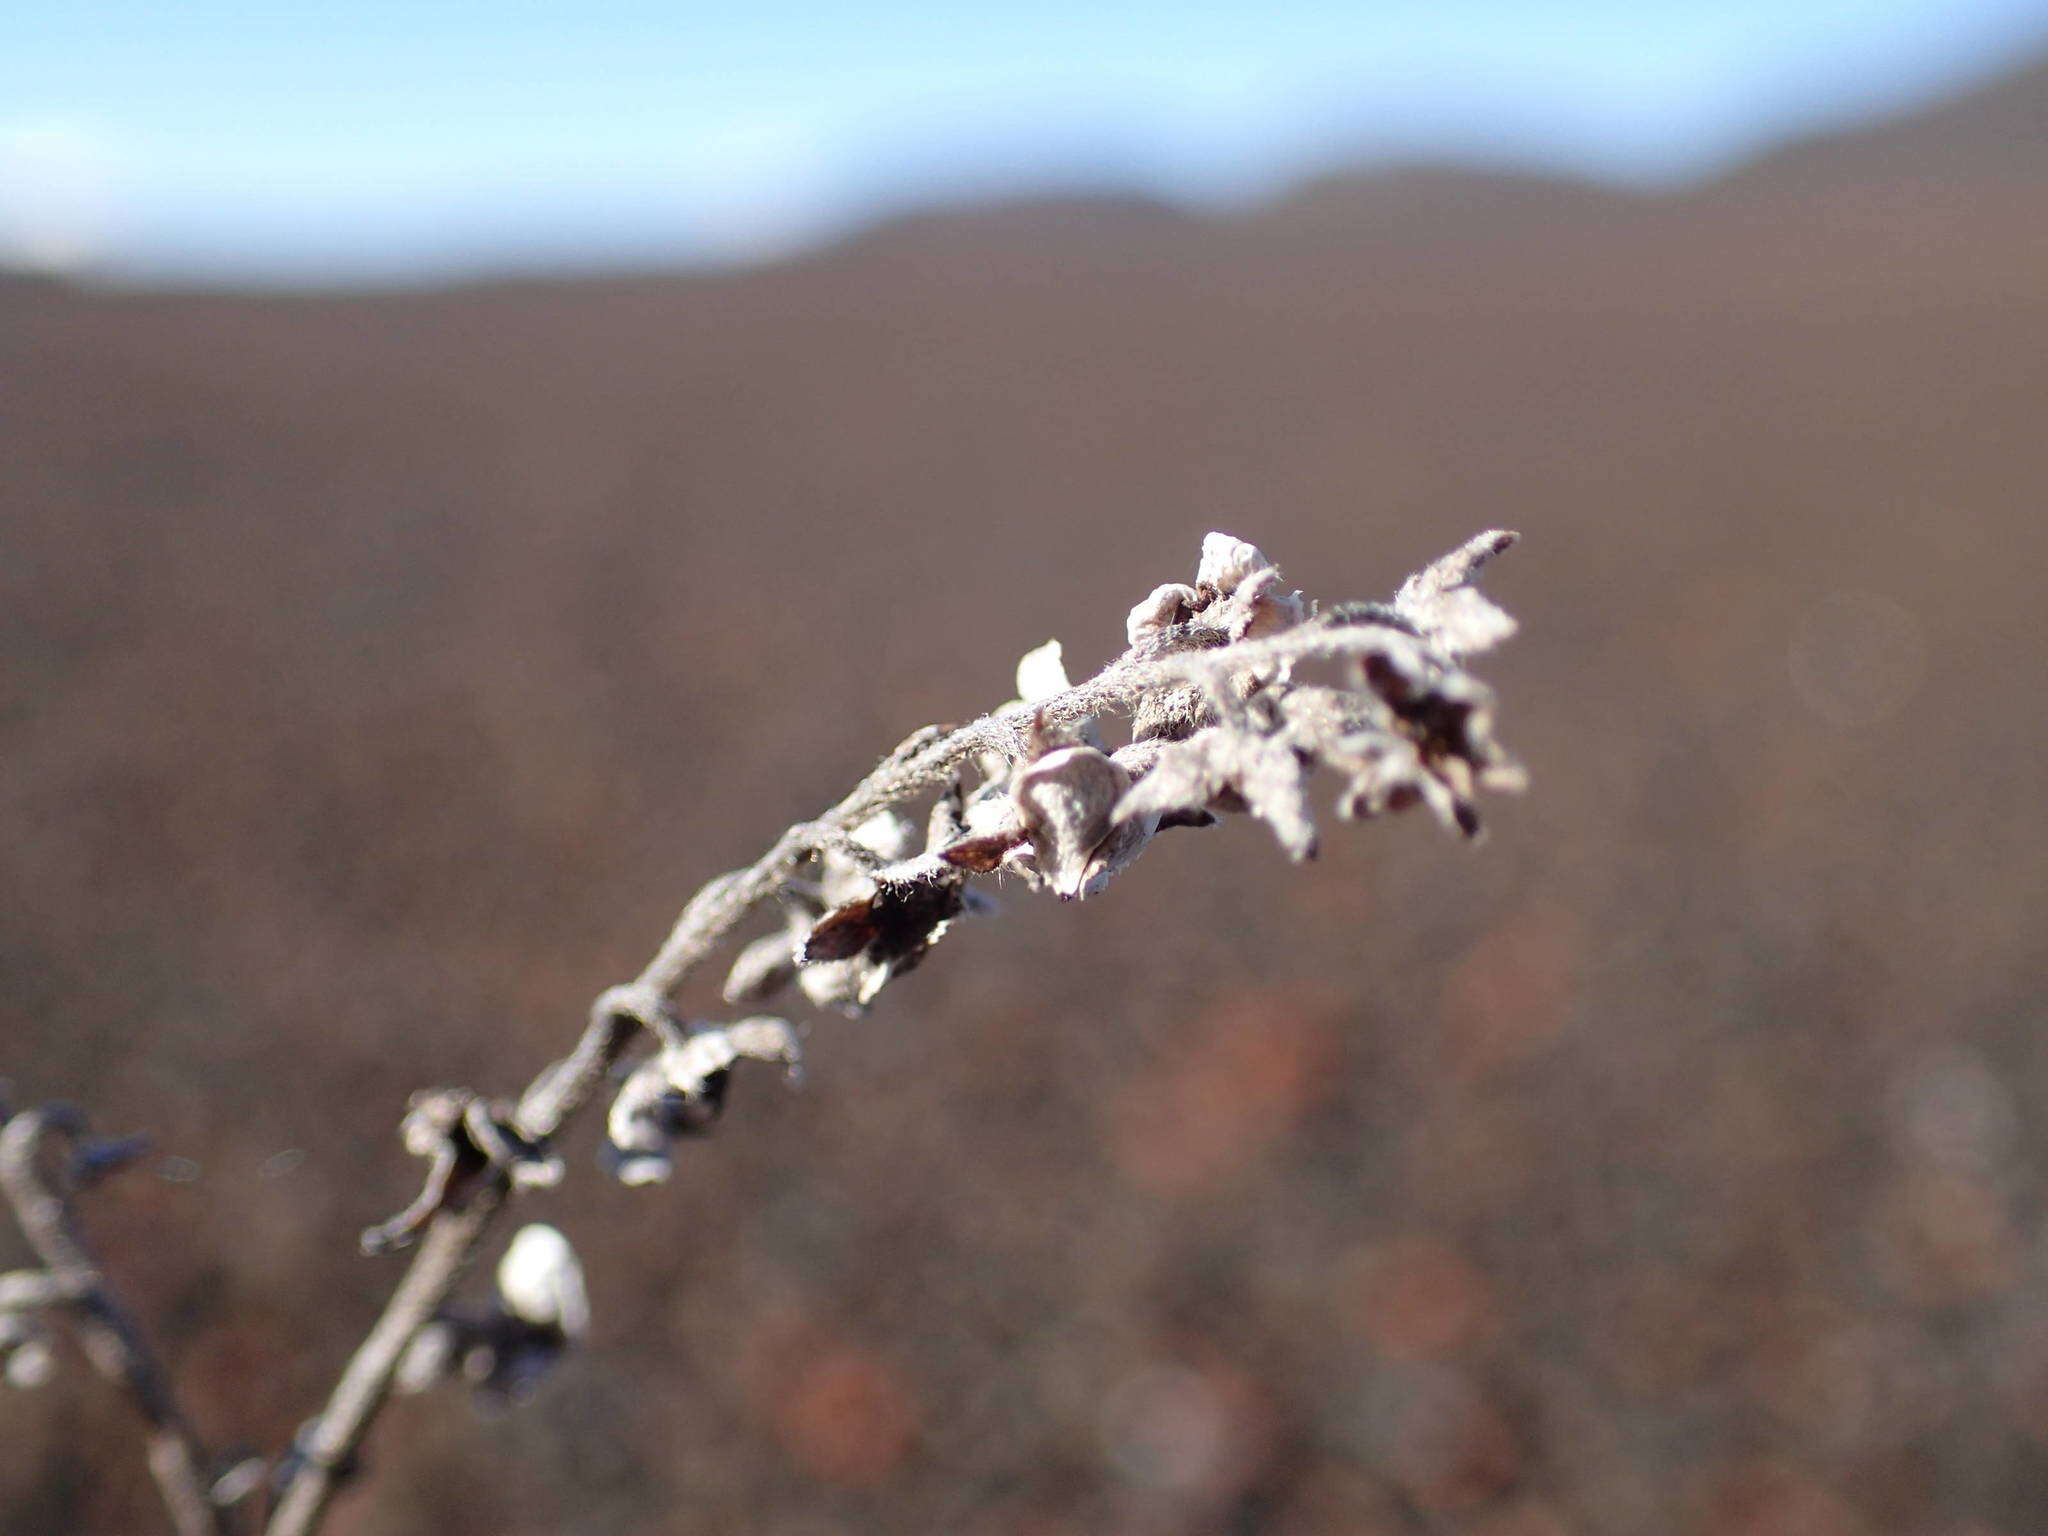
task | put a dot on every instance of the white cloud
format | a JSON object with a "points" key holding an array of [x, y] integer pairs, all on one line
{"points": [[756, 186], [56, 193]]}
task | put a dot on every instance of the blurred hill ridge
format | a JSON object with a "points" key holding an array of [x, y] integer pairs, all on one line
{"points": [[1999, 129], [1993, 133]]}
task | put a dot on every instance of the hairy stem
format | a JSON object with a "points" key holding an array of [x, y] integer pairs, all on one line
{"points": [[328, 1447], [112, 1338]]}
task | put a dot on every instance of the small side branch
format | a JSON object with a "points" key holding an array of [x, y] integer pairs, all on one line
{"points": [[325, 1454], [454, 1214], [73, 1283]]}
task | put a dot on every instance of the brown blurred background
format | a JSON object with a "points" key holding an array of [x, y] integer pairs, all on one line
{"points": [[380, 672]]}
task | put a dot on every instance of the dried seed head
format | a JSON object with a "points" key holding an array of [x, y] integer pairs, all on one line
{"points": [[882, 934], [1222, 722], [540, 1281], [1066, 798], [1229, 768], [679, 1090], [1226, 563], [1166, 608], [1242, 593]]}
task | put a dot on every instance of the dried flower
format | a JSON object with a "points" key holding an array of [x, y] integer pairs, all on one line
{"points": [[851, 952], [1225, 687], [540, 1281], [1161, 612], [1241, 591], [1224, 721], [680, 1089], [27, 1356], [1065, 800], [1220, 725], [1225, 769], [541, 1308]]}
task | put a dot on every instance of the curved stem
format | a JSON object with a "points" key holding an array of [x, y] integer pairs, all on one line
{"points": [[112, 1338]]}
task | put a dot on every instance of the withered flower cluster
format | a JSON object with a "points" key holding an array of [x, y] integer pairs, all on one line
{"points": [[1232, 692]]}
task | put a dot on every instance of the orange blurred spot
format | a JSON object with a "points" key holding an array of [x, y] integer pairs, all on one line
{"points": [[1417, 1298], [1512, 995], [1942, 1240], [1768, 1498], [847, 1417], [1239, 1081]]}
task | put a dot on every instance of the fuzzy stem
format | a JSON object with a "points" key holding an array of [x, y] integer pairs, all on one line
{"points": [[113, 1340]]}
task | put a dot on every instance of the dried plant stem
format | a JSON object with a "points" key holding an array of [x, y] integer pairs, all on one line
{"points": [[1220, 724], [111, 1336], [327, 1448], [1205, 640], [453, 1235]]}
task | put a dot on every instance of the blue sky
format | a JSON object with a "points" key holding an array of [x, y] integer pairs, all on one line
{"points": [[377, 140]]}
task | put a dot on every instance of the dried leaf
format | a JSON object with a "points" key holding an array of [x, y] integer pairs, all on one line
{"points": [[902, 917], [982, 855], [1262, 606], [1446, 609], [1227, 768], [761, 970], [844, 933]]}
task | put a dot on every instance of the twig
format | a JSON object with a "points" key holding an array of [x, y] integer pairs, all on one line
{"points": [[112, 1339]]}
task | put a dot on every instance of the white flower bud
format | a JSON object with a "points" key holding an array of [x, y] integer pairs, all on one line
{"points": [[540, 1281], [1042, 673], [1066, 798], [1227, 562]]}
